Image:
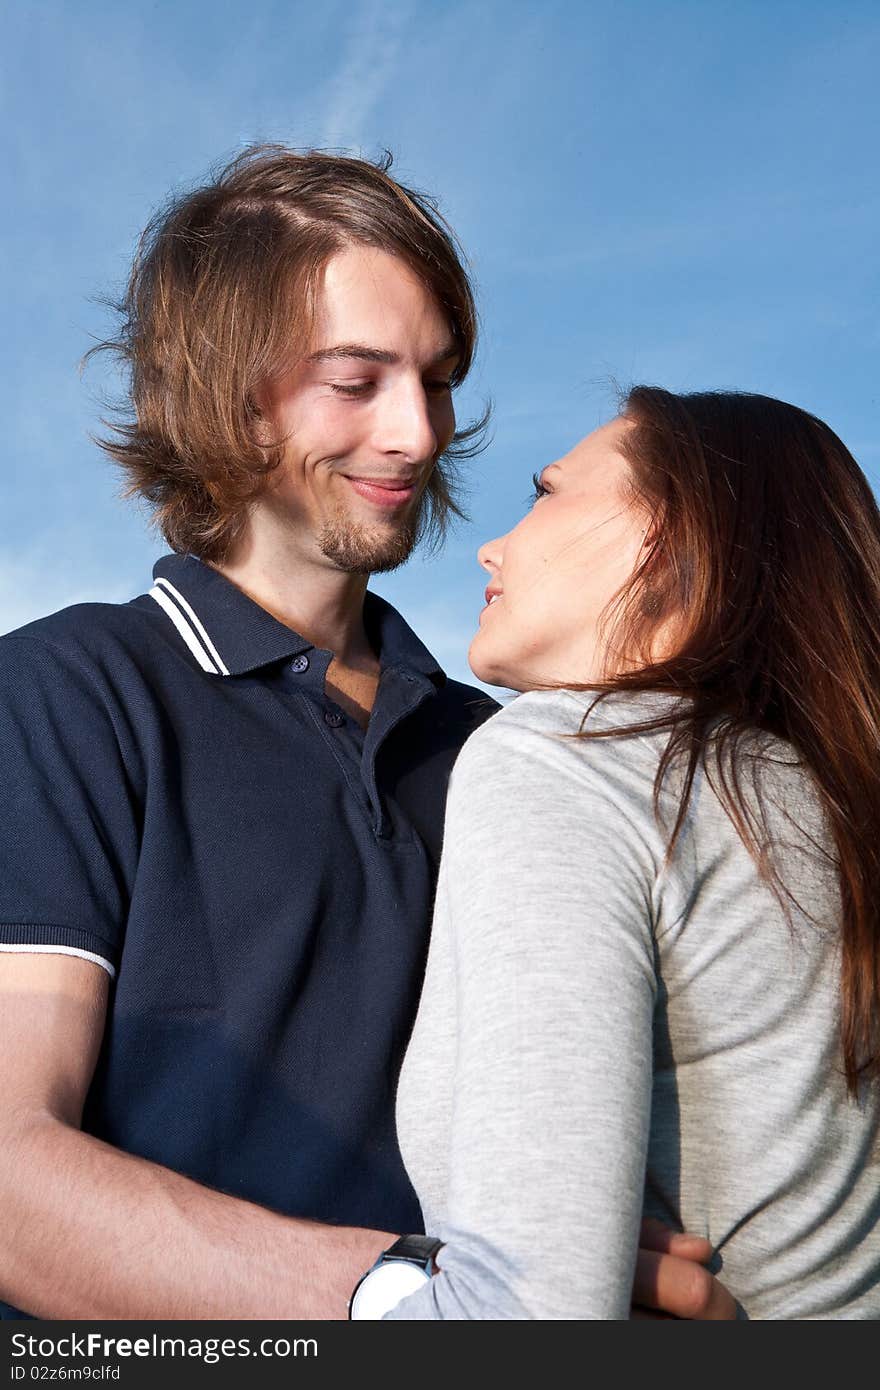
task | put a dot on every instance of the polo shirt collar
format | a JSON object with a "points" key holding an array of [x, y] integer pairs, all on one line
{"points": [[230, 634]]}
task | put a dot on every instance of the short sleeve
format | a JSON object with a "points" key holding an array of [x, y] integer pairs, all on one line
{"points": [[68, 833]]}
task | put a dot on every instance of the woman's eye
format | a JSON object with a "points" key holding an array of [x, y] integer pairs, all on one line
{"points": [[351, 388], [540, 489], [437, 388]]}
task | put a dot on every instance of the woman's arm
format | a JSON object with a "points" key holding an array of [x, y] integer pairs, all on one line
{"points": [[545, 897]]}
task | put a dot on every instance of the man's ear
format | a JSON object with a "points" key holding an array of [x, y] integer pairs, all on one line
{"points": [[259, 413]]}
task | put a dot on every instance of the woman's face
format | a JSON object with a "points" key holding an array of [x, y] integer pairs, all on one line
{"points": [[554, 574]]}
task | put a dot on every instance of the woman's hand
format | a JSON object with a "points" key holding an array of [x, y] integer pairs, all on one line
{"points": [[670, 1281]]}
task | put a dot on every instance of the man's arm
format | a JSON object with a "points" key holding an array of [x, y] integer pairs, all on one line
{"points": [[95, 1233], [91, 1232]]}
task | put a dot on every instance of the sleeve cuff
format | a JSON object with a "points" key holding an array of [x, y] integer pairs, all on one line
{"points": [[33, 938]]}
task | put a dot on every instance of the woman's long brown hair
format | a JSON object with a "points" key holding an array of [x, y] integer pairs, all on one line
{"points": [[766, 554]]}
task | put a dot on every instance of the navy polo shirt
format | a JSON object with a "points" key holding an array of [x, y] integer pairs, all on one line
{"points": [[185, 805]]}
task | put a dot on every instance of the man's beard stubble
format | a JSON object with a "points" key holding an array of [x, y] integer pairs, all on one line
{"points": [[359, 549]]}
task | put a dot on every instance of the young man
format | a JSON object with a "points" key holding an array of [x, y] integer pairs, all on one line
{"points": [[224, 800]]}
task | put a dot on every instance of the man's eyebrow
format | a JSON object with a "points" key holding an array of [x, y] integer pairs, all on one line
{"points": [[362, 353]]}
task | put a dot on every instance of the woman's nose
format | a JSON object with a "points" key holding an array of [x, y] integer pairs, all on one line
{"points": [[491, 554]]}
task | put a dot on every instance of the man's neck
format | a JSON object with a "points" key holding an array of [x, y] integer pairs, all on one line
{"points": [[323, 604]]}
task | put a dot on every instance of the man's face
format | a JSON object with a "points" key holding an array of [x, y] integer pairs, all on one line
{"points": [[365, 416]]}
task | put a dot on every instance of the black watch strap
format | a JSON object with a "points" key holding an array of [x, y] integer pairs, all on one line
{"points": [[418, 1249]]}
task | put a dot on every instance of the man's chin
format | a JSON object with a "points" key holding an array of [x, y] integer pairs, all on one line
{"points": [[359, 549]]}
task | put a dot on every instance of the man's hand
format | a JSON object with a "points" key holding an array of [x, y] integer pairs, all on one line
{"points": [[670, 1280]]}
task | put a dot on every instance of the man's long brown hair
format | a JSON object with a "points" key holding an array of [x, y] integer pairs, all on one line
{"points": [[221, 299], [766, 558]]}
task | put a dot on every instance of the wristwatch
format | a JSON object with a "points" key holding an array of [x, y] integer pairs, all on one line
{"points": [[405, 1266]]}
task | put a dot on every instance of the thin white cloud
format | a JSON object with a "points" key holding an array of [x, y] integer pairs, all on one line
{"points": [[32, 584], [366, 70]]}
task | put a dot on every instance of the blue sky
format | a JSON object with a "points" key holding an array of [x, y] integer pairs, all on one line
{"points": [[682, 192]]}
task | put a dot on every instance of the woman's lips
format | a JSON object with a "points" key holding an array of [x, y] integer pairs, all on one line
{"points": [[383, 494], [491, 599]]}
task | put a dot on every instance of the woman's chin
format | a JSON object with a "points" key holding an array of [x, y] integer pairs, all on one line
{"points": [[482, 665], [490, 672]]}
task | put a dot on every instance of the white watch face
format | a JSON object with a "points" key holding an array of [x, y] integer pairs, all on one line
{"points": [[383, 1288]]}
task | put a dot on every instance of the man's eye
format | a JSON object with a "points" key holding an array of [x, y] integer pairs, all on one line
{"points": [[351, 388], [437, 388]]}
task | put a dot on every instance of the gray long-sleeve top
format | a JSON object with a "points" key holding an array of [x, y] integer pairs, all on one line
{"points": [[601, 1034]]}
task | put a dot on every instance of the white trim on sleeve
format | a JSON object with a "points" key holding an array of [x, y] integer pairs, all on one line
{"points": [[29, 948]]}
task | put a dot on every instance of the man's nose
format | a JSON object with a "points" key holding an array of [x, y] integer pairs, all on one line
{"points": [[405, 426]]}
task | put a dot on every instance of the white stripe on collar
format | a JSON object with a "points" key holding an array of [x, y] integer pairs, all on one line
{"points": [[197, 624], [185, 629]]}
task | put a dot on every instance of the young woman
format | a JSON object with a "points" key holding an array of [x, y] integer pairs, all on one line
{"points": [[654, 975]]}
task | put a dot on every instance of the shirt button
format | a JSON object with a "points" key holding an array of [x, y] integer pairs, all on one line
{"points": [[299, 664], [333, 718]]}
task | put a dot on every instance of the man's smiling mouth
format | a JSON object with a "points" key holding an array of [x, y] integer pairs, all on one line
{"points": [[389, 493]]}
